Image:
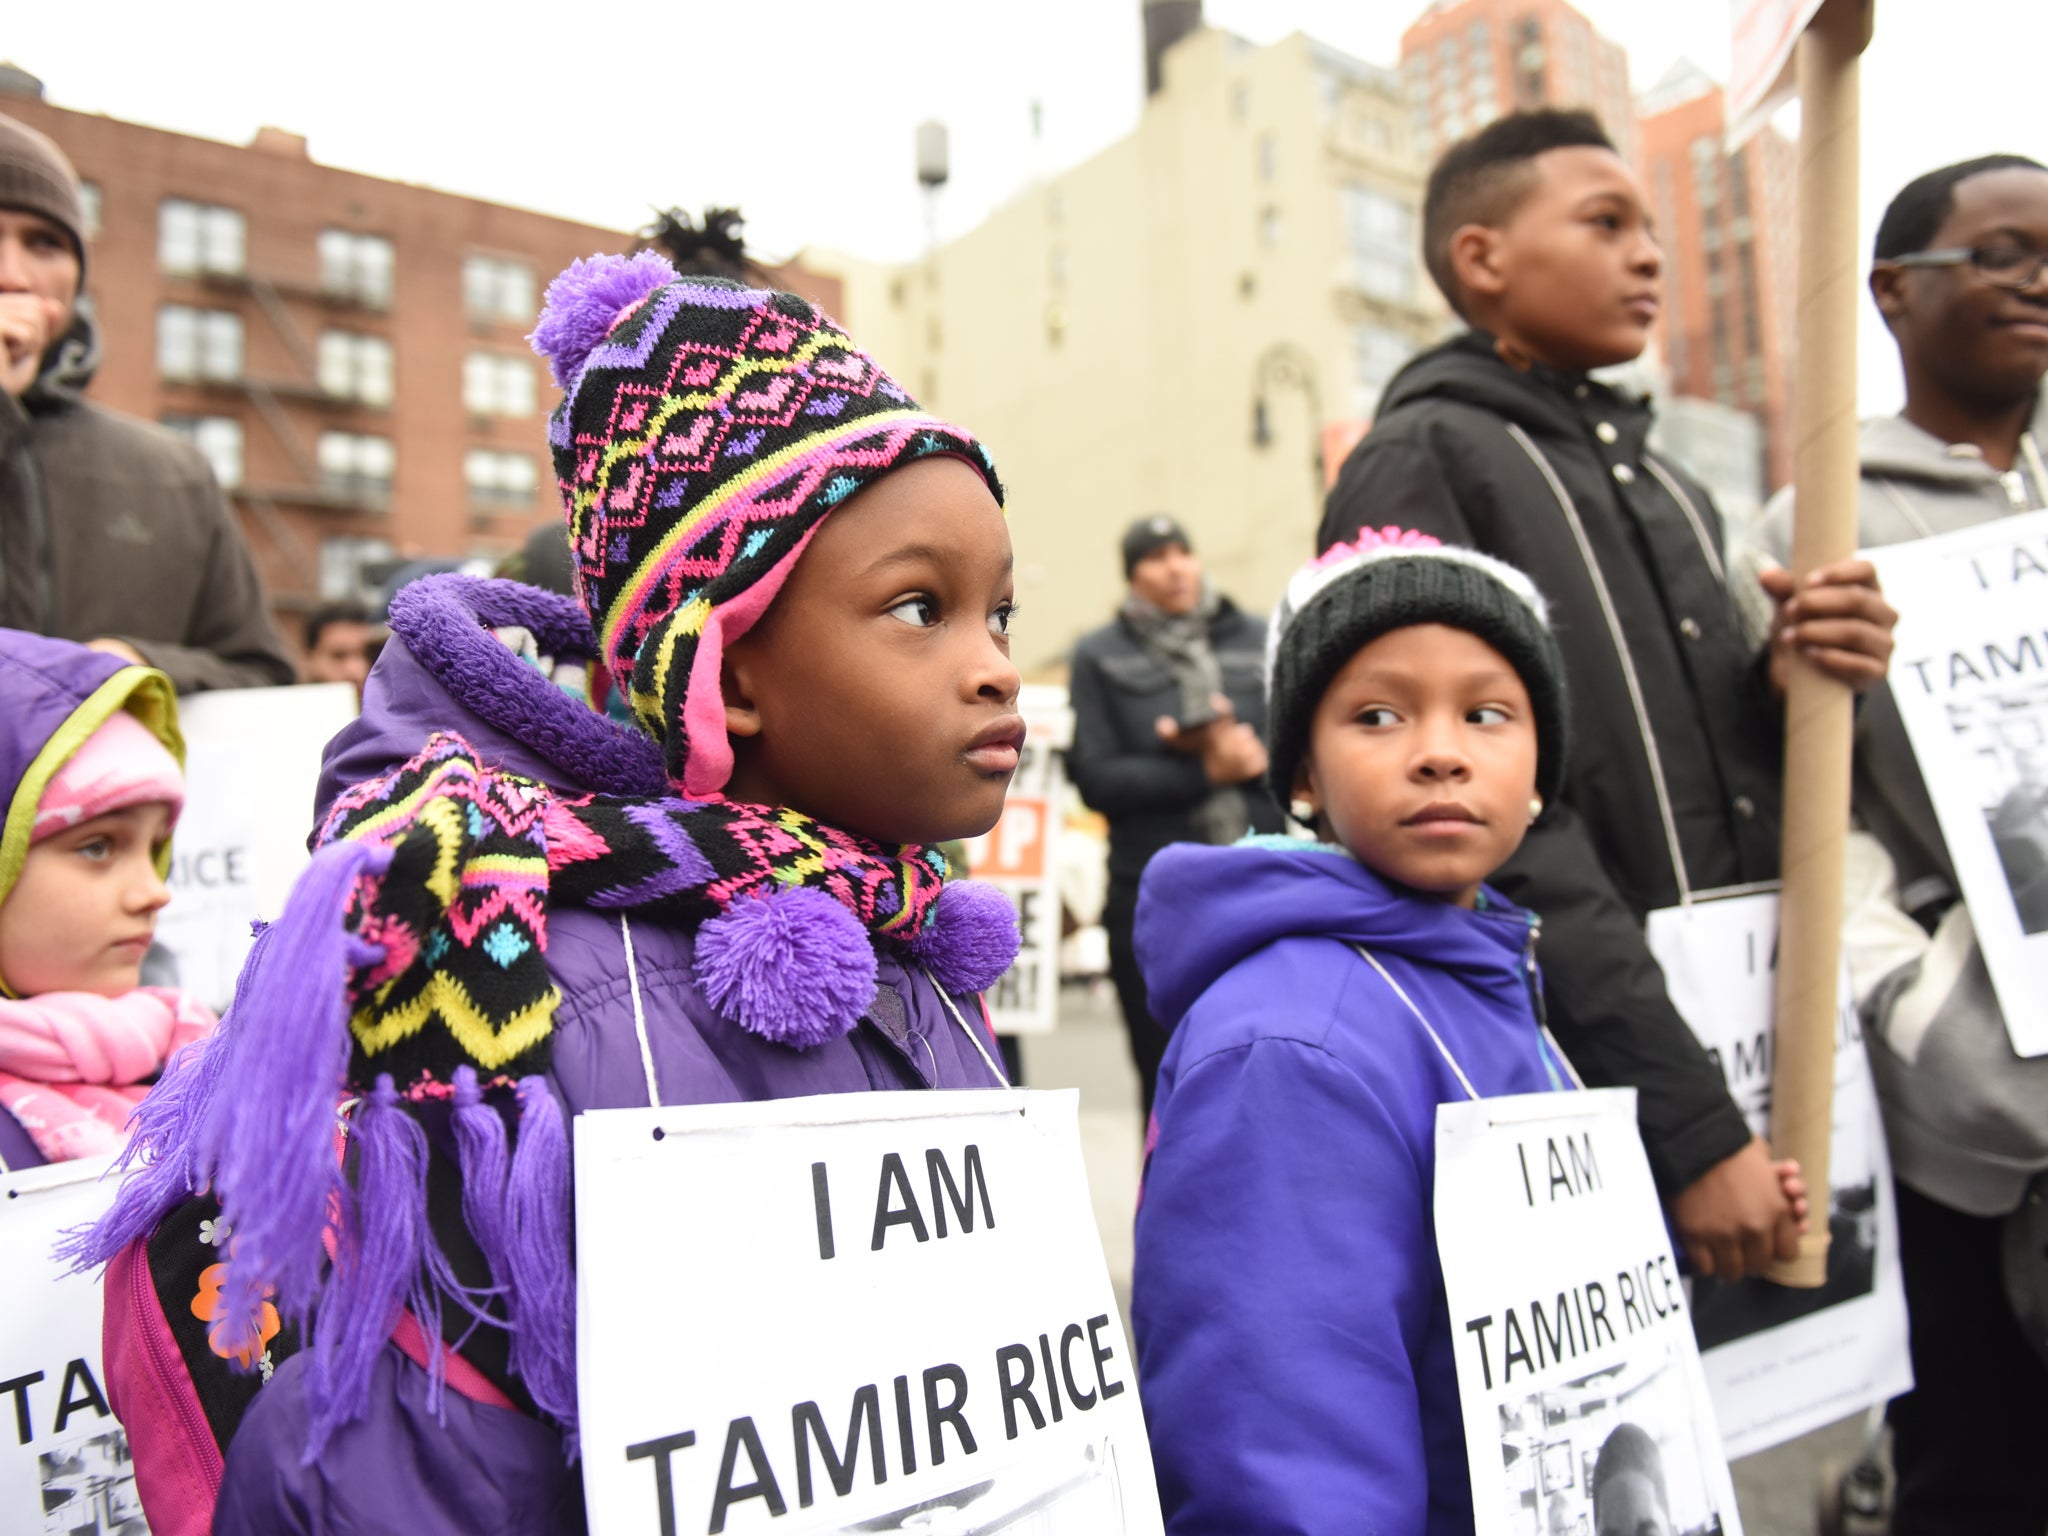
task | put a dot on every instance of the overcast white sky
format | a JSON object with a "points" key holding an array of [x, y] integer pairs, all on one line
{"points": [[801, 111]]}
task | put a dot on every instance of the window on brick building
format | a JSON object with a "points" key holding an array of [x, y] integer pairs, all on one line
{"points": [[500, 480], [495, 385], [497, 290], [351, 566], [356, 367], [89, 206], [198, 343], [219, 441], [357, 465], [198, 237], [354, 266]]}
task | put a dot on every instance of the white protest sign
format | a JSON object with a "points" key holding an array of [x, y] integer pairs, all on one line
{"points": [[1970, 675], [1760, 72], [1020, 856], [252, 758], [65, 1465], [1585, 1406], [1780, 1361], [856, 1312]]}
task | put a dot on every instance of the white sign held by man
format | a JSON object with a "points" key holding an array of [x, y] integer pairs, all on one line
{"points": [[1585, 1406], [64, 1459], [856, 1312], [1970, 675], [1784, 1361]]}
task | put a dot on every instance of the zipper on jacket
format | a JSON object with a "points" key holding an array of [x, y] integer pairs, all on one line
{"points": [[197, 1433], [1546, 1046], [1621, 654]]}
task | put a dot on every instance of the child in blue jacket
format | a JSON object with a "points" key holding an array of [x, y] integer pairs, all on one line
{"points": [[1325, 994]]}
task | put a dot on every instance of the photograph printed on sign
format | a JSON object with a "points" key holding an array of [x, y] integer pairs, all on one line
{"points": [[1969, 676], [89, 1488], [1617, 1450], [2005, 733]]}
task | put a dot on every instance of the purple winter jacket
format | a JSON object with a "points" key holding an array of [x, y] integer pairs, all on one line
{"points": [[492, 1470]]}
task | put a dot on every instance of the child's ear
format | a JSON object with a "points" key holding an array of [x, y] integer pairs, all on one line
{"points": [[742, 717], [1475, 253]]}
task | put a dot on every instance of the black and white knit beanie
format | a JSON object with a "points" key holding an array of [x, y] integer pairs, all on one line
{"points": [[1384, 580]]}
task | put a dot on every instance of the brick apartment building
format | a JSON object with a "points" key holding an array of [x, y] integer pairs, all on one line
{"points": [[1729, 229], [1466, 62], [348, 352]]}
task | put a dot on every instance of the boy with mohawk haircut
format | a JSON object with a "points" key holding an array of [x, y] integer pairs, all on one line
{"points": [[1540, 237]]}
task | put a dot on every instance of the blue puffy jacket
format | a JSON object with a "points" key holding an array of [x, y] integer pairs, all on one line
{"points": [[1292, 1336]]}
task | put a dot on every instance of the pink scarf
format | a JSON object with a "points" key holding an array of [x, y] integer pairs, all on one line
{"points": [[73, 1064]]}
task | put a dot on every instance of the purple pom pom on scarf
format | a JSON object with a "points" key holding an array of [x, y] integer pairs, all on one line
{"points": [[971, 938], [585, 302], [794, 967]]}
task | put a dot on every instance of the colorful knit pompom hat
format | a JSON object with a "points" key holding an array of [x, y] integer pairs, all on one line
{"points": [[705, 431]]}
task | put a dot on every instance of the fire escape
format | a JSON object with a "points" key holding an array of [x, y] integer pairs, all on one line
{"points": [[309, 485]]}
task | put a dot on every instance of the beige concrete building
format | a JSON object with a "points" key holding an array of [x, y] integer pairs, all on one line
{"points": [[1172, 325]]}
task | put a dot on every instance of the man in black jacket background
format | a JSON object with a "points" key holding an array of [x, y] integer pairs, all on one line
{"points": [[1539, 236], [1169, 720]]}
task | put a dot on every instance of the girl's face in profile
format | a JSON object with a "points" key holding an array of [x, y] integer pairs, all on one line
{"points": [[83, 913], [877, 693]]}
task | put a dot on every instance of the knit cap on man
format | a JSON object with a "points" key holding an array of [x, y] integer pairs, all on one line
{"points": [[36, 178], [705, 431], [1351, 594]]}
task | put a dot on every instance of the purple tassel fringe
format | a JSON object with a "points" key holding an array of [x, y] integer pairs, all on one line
{"points": [[537, 1235], [286, 1060], [377, 1257]]}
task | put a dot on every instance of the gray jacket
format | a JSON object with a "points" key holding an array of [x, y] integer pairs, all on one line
{"points": [[114, 527], [1967, 1118]]}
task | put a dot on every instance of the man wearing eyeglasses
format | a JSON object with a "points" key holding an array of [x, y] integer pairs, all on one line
{"points": [[1958, 276]]}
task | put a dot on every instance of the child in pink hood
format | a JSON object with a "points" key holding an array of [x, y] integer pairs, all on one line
{"points": [[90, 772]]}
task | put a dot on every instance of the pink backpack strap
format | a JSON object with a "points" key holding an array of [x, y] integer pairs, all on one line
{"points": [[456, 1371], [177, 1464]]}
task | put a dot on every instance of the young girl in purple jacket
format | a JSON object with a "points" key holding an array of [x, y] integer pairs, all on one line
{"points": [[801, 583]]}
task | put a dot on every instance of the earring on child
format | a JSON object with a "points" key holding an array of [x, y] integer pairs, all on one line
{"points": [[1535, 808], [1302, 810]]}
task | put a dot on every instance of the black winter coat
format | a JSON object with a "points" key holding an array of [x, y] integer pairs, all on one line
{"points": [[1148, 791], [1676, 741]]}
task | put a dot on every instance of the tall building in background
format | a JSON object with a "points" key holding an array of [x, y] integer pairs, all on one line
{"points": [[1466, 62], [1728, 227], [1173, 324], [349, 353]]}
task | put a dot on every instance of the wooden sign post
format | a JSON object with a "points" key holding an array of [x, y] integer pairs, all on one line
{"points": [[1819, 720]]}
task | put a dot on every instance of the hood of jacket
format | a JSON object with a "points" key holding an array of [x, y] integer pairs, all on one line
{"points": [[68, 367], [53, 695], [1539, 398], [1893, 447], [446, 671], [1202, 910]]}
